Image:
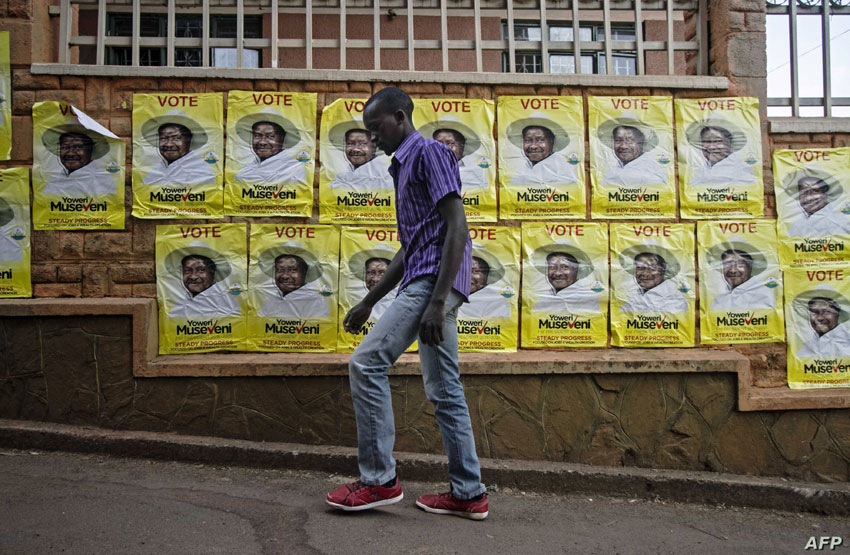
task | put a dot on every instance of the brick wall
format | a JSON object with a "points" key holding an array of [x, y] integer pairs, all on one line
{"points": [[121, 263]]}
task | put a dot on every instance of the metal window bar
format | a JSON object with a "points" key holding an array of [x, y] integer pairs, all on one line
{"points": [[827, 65], [603, 13]]}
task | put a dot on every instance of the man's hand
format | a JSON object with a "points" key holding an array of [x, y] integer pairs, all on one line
{"points": [[356, 317], [432, 323]]}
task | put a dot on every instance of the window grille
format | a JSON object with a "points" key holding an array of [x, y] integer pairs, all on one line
{"points": [[804, 76], [613, 36]]}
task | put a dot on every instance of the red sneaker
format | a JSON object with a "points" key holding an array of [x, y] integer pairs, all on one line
{"points": [[448, 504], [357, 496]]}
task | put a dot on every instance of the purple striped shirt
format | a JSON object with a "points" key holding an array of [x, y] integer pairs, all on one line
{"points": [[424, 171]]}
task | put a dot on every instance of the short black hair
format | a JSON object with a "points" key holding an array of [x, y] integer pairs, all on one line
{"points": [[300, 261], [206, 261], [392, 98]]}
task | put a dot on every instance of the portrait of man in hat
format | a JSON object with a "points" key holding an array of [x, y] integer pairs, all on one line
{"points": [[463, 142], [653, 268], [719, 143], [80, 170], [817, 212], [541, 140], [365, 169], [272, 139], [569, 274], [369, 266], [204, 292], [485, 298], [177, 139], [10, 249], [291, 267], [827, 312], [740, 263], [631, 142]]}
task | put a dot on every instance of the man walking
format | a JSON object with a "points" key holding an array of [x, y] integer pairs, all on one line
{"points": [[433, 266]]}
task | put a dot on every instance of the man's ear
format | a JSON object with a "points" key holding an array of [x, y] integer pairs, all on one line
{"points": [[400, 116]]}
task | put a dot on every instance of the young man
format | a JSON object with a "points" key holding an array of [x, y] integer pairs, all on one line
{"points": [[433, 266]]}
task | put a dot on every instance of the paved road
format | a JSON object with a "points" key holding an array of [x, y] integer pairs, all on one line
{"points": [[91, 504]]}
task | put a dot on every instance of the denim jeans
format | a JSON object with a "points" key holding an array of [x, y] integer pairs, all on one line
{"points": [[394, 332]]}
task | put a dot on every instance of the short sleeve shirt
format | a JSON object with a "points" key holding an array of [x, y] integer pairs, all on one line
{"points": [[425, 171]]}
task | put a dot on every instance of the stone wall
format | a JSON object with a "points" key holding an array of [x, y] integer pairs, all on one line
{"points": [[78, 370]]}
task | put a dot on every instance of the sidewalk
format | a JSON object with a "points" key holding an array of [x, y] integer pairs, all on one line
{"points": [[538, 476], [73, 503]]}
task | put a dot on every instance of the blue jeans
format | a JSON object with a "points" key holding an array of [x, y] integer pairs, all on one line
{"points": [[394, 332]]}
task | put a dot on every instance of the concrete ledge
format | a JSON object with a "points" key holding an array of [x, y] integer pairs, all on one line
{"points": [[560, 478], [810, 125], [707, 82], [147, 363]]}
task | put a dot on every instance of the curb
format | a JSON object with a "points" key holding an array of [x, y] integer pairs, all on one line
{"points": [[540, 476]]}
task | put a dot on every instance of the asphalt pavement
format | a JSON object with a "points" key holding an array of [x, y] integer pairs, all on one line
{"points": [[59, 502]]}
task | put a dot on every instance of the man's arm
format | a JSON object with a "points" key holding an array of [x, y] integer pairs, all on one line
{"points": [[434, 317], [360, 312]]}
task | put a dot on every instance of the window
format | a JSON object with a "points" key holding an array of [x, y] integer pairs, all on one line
{"points": [[808, 77], [186, 26], [563, 61]]}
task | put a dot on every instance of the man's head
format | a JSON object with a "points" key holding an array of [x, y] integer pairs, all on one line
{"points": [[267, 139], [628, 142], [375, 268], [174, 141], [359, 148], [537, 143], [716, 143], [561, 270], [452, 139], [812, 194], [388, 116], [198, 273], [289, 272], [649, 270], [75, 150], [480, 274], [737, 267], [823, 314]]}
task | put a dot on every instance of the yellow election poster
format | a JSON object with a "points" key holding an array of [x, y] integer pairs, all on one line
{"points": [[740, 283], [5, 98], [813, 206], [466, 127], [652, 285], [178, 153], [77, 170], [817, 308], [719, 158], [631, 157], [490, 320], [541, 157], [564, 285], [15, 233], [354, 182], [364, 254], [294, 292], [271, 150], [201, 287]]}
